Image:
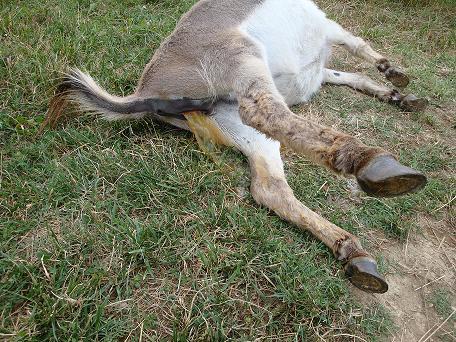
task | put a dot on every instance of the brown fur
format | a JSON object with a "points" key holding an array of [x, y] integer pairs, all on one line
{"points": [[271, 189], [326, 146], [58, 106]]}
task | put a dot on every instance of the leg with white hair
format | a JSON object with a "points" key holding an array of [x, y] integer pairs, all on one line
{"points": [[368, 86], [360, 48]]}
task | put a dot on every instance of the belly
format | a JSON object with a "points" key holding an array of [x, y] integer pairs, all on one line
{"points": [[299, 86], [292, 36]]}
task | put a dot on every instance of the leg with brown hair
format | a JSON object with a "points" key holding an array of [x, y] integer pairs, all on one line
{"points": [[270, 188], [365, 84], [262, 107]]}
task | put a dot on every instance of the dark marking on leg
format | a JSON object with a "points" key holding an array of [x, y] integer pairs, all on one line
{"points": [[347, 155], [396, 96], [348, 247], [383, 65], [337, 74]]}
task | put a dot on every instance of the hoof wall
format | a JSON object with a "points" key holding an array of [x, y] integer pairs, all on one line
{"points": [[411, 103], [384, 176], [397, 78], [362, 273]]}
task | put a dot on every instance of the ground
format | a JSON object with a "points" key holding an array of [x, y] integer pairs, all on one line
{"points": [[128, 231]]}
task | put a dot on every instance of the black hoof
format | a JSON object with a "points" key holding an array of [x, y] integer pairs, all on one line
{"points": [[411, 103], [397, 78], [362, 273], [384, 176]]}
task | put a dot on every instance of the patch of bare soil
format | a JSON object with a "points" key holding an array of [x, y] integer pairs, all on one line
{"points": [[425, 263], [36, 239]]}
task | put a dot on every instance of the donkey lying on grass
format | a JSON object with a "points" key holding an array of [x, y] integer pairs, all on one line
{"points": [[230, 71]]}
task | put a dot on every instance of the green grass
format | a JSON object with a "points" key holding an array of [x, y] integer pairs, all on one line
{"points": [[440, 298], [117, 231]]}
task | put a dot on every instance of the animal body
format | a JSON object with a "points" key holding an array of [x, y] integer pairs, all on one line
{"points": [[230, 71]]}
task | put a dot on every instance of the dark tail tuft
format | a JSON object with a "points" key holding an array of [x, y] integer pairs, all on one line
{"points": [[80, 89]]}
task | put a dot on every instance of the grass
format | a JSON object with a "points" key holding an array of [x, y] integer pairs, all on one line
{"points": [[442, 303], [440, 298], [128, 231]]}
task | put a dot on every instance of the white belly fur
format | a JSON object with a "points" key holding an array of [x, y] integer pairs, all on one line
{"points": [[292, 34]]}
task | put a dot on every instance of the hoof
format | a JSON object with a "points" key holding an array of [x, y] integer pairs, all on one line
{"points": [[411, 103], [362, 272], [384, 176], [397, 78]]}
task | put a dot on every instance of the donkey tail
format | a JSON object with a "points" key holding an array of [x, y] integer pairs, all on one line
{"points": [[79, 88]]}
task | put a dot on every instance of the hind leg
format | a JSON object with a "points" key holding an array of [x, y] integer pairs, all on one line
{"points": [[366, 85], [270, 188], [262, 107], [360, 48]]}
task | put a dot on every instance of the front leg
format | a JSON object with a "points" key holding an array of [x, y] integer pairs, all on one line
{"points": [[360, 48], [368, 86]]}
